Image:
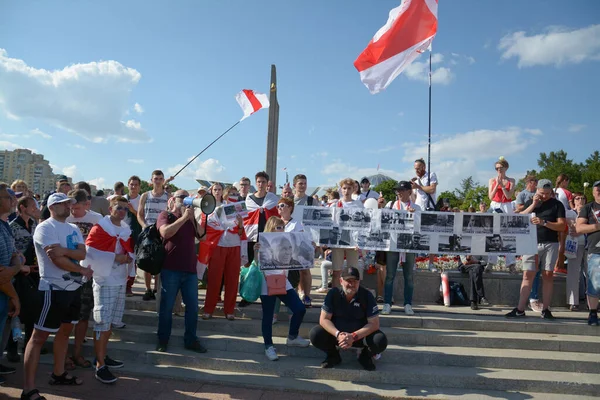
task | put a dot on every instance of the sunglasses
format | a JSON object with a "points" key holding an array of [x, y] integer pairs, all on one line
{"points": [[499, 168], [279, 228], [579, 198], [121, 208], [282, 205]]}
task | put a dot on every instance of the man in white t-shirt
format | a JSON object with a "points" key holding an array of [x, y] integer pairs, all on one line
{"points": [[82, 217], [59, 247], [424, 186], [133, 184], [109, 251], [366, 192]]}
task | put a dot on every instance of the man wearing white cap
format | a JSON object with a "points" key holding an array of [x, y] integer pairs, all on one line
{"points": [[59, 247]]}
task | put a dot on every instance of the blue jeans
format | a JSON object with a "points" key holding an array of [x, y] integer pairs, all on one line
{"points": [[4, 304], [392, 258], [172, 282], [535, 287], [292, 301]]}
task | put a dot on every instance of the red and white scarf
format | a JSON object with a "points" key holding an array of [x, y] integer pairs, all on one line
{"points": [[101, 245], [269, 207], [214, 231]]}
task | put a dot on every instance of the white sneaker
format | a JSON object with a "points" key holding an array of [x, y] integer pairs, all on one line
{"points": [[298, 342], [408, 310], [322, 290], [271, 354], [274, 319], [387, 309]]}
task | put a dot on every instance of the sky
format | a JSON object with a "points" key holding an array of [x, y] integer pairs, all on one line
{"points": [[109, 89]]}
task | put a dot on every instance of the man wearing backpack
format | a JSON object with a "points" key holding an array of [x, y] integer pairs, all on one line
{"points": [[302, 199], [349, 318]]}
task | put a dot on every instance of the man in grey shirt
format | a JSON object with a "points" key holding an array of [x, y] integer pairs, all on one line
{"points": [[526, 194]]}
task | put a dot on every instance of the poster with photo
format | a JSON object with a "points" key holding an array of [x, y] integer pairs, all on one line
{"points": [[478, 223], [412, 241], [376, 239], [317, 216], [460, 244], [504, 244], [515, 224], [336, 237], [353, 217], [437, 222], [285, 250], [396, 221], [234, 209]]}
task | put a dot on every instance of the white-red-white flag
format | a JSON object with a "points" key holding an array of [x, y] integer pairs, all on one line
{"points": [[409, 31], [251, 101]]}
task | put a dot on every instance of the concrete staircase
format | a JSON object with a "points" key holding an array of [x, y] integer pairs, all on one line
{"points": [[437, 353]]}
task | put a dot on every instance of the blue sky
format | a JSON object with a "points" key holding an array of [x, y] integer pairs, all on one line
{"points": [[511, 79]]}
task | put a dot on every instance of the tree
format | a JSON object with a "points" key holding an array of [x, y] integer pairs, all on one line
{"points": [[451, 197], [470, 193], [387, 189], [556, 163]]}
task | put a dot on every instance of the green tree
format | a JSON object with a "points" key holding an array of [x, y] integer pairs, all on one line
{"points": [[556, 163], [451, 197], [387, 189], [474, 196]]}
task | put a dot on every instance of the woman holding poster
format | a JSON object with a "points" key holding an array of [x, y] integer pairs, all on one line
{"points": [[501, 189], [270, 293], [221, 251]]}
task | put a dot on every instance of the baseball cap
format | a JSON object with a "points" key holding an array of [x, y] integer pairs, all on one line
{"points": [[364, 179], [59, 198], [403, 185], [597, 183], [203, 189], [350, 272], [544, 184], [61, 178]]}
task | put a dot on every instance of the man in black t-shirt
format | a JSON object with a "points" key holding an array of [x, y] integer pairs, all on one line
{"points": [[549, 217], [349, 318], [588, 222]]}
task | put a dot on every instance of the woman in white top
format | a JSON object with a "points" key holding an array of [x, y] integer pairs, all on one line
{"points": [[562, 194], [574, 264], [290, 299]]}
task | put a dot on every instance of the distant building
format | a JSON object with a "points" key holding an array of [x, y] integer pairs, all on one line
{"points": [[28, 166]]}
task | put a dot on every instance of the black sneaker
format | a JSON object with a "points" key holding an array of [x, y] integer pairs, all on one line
{"points": [[4, 370], [593, 318], [474, 305], [546, 314], [12, 356], [332, 360], [2, 380], [484, 302], [109, 362], [148, 296], [366, 359], [161, 347], [196, 347], [243, 303], [515, 313], [104, 375]]}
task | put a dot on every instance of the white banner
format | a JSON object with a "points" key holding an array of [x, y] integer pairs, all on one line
{"points": [[421, 232], [285, 250]]}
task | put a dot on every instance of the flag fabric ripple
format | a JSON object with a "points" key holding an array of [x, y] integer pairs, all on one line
{"points": [[251, 102]]}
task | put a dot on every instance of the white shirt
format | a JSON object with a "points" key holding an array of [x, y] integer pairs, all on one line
{"points": [[345, 204], [400, 205], [86, 222], [422, 197], [119, 272], [66, 235], [562, 197], [369, 194]]}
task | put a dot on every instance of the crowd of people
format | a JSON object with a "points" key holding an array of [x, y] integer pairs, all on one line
{"points": [[70, 258]]}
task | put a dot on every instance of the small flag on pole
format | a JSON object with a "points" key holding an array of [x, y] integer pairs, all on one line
{"points": [[409, 31], [251, 102]]}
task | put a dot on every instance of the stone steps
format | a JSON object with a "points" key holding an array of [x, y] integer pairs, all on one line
{"points": [[459, 356]]}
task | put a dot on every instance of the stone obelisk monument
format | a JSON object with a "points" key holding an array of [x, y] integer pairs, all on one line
{"points": [[273, 130]]}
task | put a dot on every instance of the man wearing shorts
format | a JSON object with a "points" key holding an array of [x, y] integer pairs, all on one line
{"points": [[109, 251], [58, 247], [588, 222], [550, 219]]}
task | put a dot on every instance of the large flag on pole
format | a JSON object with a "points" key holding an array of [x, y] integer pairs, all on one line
{"points": [[251, 101], [409, 31]]}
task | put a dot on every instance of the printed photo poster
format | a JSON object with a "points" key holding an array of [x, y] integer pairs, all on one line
{"points": [[321, 217], [337, 237], [375, 239], [478, 223], [354, 218], [454, 244], [412, 242], [285, 251], [437, 222], [234, 209], [396, 220]]}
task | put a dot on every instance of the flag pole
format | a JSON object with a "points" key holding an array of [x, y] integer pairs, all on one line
{"points": [[206, 148], [429, 139]]}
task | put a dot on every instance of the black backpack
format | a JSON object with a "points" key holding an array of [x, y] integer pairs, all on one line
{"points": [[149, 250]]}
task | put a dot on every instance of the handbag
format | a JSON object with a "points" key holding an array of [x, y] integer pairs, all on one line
{"points": [[276, 284]]}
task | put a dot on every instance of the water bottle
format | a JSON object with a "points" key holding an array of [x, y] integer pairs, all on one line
{"points": [[15, 326]]}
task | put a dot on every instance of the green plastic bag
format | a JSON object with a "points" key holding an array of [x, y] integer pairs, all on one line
{"points": [[251, 283]]}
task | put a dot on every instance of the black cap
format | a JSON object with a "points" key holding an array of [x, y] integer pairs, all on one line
{"points": [[350, 272], [403, 185], [61, 178], [597, 183], [365, 179]]}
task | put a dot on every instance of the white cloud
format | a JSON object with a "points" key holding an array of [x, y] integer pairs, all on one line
{"points": [[210, 169], [70, 170], [574, 128], [419, 71], [76, 146], [100, 183], [89, 99], [9, 136], [557, 46], [38, 132], [135, 160], [138, 108], [536, 132], [10, 146]]}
